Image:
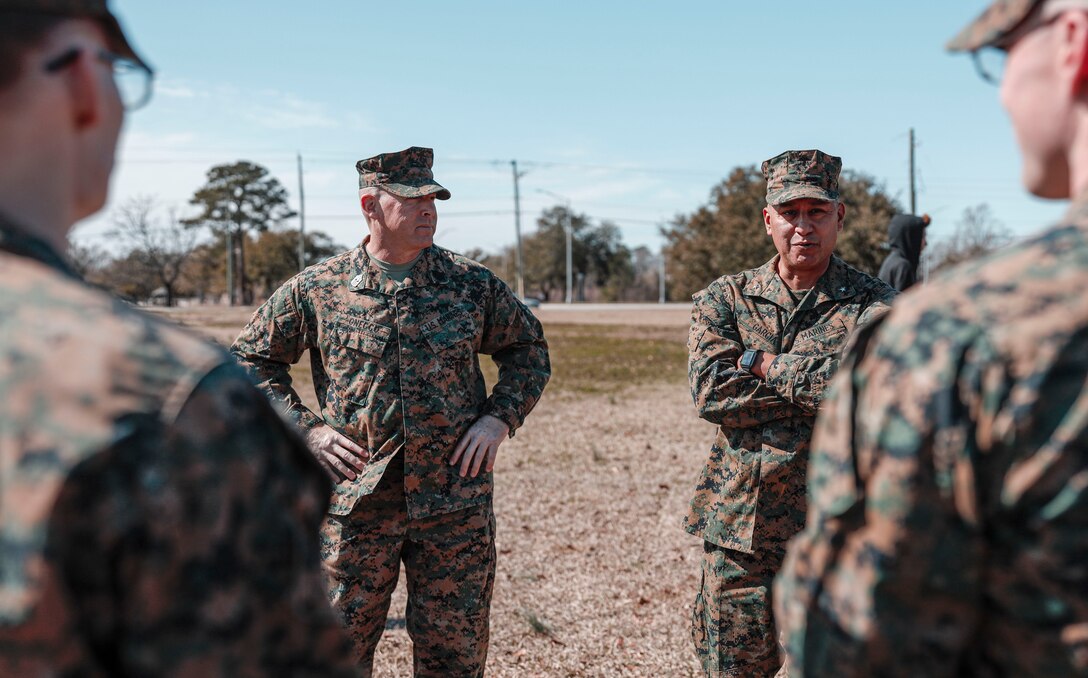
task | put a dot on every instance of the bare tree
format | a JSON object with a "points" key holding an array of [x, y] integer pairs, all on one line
{"points": [[976, 233], [646, 267], [158, 248], [88, 260]]}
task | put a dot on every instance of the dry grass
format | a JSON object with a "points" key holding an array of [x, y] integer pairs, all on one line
{"points": [[595, 576], [601, 360]]}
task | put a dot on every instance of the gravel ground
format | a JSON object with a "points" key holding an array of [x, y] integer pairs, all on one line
{"points": [[595, 575]]}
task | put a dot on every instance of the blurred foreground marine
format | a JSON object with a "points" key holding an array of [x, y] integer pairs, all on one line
{"points": [[907, 238], [405, 426], [764, 344], [156, 516], [947, 532]]}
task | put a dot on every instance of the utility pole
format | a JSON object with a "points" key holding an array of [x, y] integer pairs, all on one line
{"points": [[661, 278], [236, 265], [301, 219], [230, 265], [913, 193], [517, 233], [570, 241], [570, 256], [240, 267]]}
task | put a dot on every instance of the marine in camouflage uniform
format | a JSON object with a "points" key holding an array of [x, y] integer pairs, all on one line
{"points": [[157, 517], [947, 532], [792, 316], [396, 372]]}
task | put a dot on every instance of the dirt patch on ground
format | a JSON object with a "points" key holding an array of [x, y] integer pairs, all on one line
{"points": [[595, 575], [219, 323]]}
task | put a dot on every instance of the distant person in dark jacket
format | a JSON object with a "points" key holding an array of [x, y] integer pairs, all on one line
{"points": [[907, 237]]}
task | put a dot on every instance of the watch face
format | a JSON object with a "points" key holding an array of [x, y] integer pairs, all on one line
{"points": [[748, 359]]}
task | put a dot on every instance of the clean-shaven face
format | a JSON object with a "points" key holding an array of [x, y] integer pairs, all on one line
{"points": [[1040, 111], [804, 232], [408, 223]]}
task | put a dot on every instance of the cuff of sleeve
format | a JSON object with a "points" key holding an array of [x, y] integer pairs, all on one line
{"points": [[304, 418], [781, 373], [508, 415]]}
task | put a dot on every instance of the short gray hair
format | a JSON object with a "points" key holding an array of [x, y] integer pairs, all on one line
{"points": [[368, 190]]}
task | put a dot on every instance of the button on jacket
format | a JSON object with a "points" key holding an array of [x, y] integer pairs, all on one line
{"points": [[395, 367]]}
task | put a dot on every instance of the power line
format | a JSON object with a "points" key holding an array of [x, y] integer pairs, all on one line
{"points": [[325, 157]]}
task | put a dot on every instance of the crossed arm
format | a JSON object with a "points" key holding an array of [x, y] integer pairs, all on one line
{"points": [[725, 394]]}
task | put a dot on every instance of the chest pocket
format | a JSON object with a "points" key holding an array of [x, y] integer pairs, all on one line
{"points": [[352, 355], [826, 339], [452, 336]]}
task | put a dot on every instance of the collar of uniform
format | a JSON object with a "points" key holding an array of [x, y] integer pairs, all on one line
{"points": [[765, 283], [17, 241], [836, 283], [430, 269]]}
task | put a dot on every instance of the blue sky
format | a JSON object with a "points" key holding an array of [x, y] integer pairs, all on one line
{"points": [[632, 110]]}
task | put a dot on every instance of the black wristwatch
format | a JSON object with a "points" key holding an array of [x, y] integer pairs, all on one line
{"points": [[748, 359]]}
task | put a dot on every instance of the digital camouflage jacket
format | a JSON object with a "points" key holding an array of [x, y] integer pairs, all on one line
{"points": [[157, 517], [752, 489], [395, 367], [948, 510]]}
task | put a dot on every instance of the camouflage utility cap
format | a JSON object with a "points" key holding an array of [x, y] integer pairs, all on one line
{"points": [[996, 22], [80, 9], [405, 173], [1001, 18], [802, 174]]}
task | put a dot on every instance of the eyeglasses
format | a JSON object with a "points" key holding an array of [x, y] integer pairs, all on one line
{"points": [[990, 61], [132, 78], [990, 64]]}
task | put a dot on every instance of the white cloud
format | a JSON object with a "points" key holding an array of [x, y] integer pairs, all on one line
{"points": [[176, 91], [285, 112], [263, 108], [138, 139]]}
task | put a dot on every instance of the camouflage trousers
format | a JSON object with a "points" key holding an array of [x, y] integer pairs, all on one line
{"points": [[449, 564], [732, 624]]}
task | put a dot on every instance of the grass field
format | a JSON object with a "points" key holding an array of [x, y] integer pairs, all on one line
{"points": [[595, 575]]}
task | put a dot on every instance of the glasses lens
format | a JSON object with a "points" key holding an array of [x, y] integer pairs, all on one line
{"points": [[133, 83], [990, 63]]}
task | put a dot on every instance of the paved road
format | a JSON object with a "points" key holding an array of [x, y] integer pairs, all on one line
{"points": [[616, 314]]}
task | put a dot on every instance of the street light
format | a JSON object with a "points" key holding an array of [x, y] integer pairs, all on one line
{"points": [[570, 237]]}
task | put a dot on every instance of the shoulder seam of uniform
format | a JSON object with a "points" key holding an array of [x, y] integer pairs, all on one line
{"points": [[185, 385]]}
